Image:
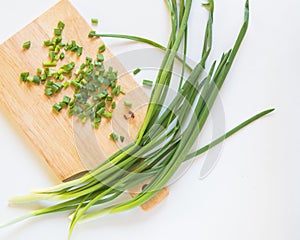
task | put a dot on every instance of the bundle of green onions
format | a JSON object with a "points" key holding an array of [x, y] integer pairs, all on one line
{"points": [[165, 139]]}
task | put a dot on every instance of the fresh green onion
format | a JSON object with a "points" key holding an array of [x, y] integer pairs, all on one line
{"points": [[66, 100], [57, 32], [24, 76], [26, 45], [94, 20], [50, 64], [100, 57], [61, 25], [107, 114], [102, 48], [147, 83], [127, 103], [114, 136], [36, 79], [136, 71], [57, 107], [48, 43], [113, 105], [156, 153]]}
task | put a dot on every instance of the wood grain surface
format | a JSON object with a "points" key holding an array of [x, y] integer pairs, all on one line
{"points": [[68, 146]]}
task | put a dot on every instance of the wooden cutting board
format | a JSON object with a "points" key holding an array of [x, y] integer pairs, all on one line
{"points": [[69, 147]]}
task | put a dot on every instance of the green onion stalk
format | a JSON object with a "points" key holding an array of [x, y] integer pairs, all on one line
{"points": [[157, 152]]}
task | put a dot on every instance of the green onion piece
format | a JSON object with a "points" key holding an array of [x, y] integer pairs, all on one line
{"points": [[97, 120], [57, 32], [57, 107], [116, 90], [107, 114], [92, 33], [30, 79], [48, 43], [127, 103], [79, 51], [26, 45], [100, 111], [113, 105], [66, 84], [39, 71], [43, 77], [94, 20], [100, 57], [63, 104], [83, 120], [109, 98], [48, 91], [102, 48], [50, 64], [49, 83], [114, 136], [36, 79], [24, 76], [57, 49], [88, 60], [61, 25], [148, 83], [61, 56], [122, 138], [52, 56], [66, 100], [136, 71]]}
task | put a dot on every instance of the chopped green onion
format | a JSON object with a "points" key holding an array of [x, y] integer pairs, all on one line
{"points": [[109, 98], [62, 56], [100, 57], [39, 71], [79, 51], [52, 56], [127, 103], [57, 32], [92, 33], [26, 45], [48, 43], [136, 71], [43, 77], [148, 83], [113, 105], [36, 79], [57, 107], [66, 100], [122, 138], [50, 64], [107, 114], [114, 136], [48, 91], [94, 20], [102, 48], [100, 111], [61, 25], [24, 76]]}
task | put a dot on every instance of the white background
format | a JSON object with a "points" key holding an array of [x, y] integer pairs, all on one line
{"points": [[253, 192]]}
